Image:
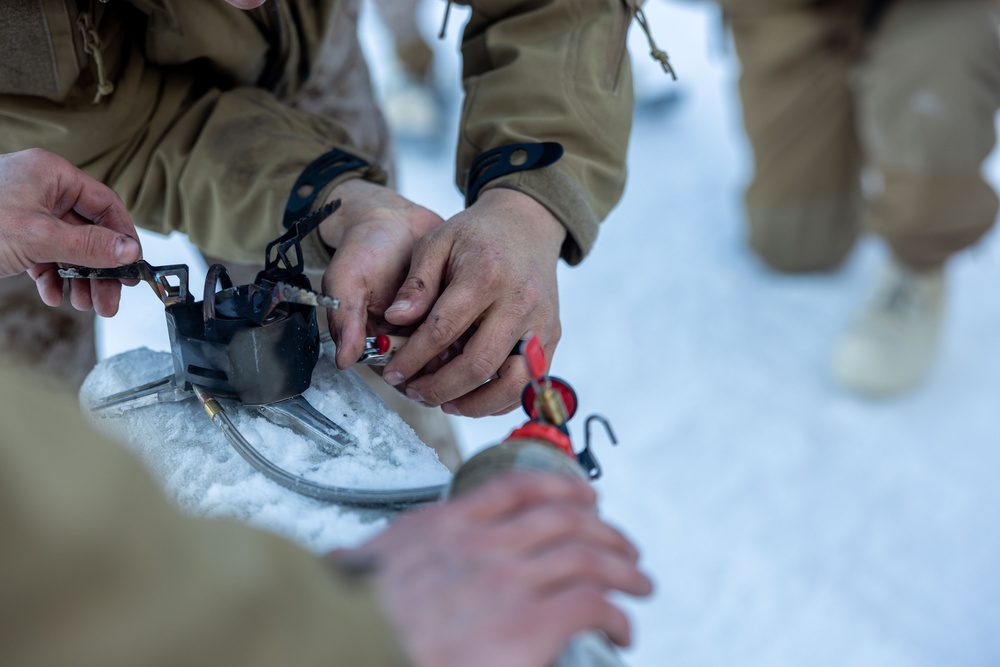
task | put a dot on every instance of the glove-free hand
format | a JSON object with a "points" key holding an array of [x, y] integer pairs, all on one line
{"points": [[505, 575], [53, 212], [485, 278], [374, 232]]}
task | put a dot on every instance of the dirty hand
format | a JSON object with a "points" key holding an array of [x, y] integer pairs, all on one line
{"points": [[53, 212], [373, 232], [490, 271], [505, 575]]}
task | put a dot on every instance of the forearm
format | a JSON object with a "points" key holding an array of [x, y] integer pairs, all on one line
{"points": [[552, 71]]}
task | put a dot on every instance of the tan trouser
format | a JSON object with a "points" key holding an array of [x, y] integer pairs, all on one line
{"points": [[914, 102]]}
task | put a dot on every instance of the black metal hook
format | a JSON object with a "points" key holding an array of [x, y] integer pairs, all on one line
{"points": [[278, 265], [586, 457]]}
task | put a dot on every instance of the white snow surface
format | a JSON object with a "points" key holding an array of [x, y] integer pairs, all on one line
{"points": [[199, 468], [786, 521]]}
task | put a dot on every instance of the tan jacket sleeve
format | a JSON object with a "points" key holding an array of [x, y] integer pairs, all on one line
{"points": [[96, 568], [185, 145], [552, 70]]}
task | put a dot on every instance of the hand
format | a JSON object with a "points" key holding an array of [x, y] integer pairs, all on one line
{"points": [[374, 232], [53, 212], [505, 575], [491, 272]]}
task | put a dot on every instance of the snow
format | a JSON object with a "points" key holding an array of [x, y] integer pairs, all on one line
{"points": [[785, 521], [199, 468]]}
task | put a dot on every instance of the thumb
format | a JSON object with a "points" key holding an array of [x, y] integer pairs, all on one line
{"points": [[88, 245], [422, 285]]}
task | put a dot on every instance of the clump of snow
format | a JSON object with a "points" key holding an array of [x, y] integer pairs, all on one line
{"points": [[198, 467]]}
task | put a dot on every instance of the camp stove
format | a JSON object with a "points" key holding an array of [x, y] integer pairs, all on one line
{"points": [[257, 345]]}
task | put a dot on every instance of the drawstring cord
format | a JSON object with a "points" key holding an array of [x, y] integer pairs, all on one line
{"points": [[92, 47], [655, 52]]}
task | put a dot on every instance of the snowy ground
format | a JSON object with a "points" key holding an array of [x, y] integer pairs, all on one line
{"points": [[786, 522]]}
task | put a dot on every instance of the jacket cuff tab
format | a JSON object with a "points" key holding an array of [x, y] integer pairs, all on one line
{"points": [[315, 177], [508, 159]]}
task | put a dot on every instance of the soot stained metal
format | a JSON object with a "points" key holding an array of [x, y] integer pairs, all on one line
{"points": [[257, 344]]}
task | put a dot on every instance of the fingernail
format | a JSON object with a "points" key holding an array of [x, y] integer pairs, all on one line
{"points": [[126, 250], [450, 409], [399, 305], [393, 377], [414, 395]]}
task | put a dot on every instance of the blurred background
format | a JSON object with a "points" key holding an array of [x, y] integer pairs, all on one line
{"points": [[785, 520]]}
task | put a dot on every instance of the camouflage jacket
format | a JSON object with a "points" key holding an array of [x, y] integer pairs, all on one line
{"points": [[186, 108]]}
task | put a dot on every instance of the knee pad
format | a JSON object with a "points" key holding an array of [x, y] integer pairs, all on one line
{"points": [[804, 237]]}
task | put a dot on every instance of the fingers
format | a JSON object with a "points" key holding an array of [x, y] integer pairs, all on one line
{"points": [[484, 273], [545, 524], [562, 541], [348, 322], [515, 491], [79, 242], [522, 556], [76, 241], [451, 316], [79, 199], [348, 326], [581, 607], [105, 294], [573, 562], [413, 301], [100, 204], [477, 511], [422, 285], [374, 232], [61, 215], [459, 386], [70, 190], [101, 295], [499, 395], [48, 283], [98, 247], [80, 294]]}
